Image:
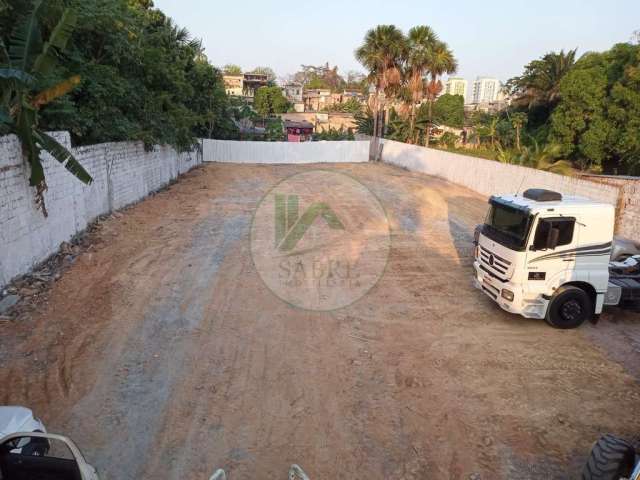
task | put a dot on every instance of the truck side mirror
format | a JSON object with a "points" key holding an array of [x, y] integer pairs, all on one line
{"points": [[554, 236]]}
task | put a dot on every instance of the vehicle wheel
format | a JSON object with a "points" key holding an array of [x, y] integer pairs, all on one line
{"points": [[570, 307], [611, 458]]}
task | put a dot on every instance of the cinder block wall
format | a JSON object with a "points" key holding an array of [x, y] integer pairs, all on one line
{"points": [[123, 173], [489, 177], [628, 211]]}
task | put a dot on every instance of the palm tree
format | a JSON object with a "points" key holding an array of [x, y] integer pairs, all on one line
{"points": [[545, 159], [442, 61], [540, 83], [421, 43], [489, 130], [383, 53], [518, 120], [27, 59]]}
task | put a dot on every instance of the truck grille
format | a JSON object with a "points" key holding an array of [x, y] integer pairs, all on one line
{"points": [[497, 266]]}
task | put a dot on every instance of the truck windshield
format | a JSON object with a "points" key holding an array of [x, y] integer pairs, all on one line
{"points": [[507, 225]]}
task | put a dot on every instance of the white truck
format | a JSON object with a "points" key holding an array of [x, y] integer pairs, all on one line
{"points": [[545, 255]]}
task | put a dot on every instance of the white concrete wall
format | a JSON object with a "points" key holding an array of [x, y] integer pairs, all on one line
{"points": [[123, 173], [285, 152], [489, 177]]}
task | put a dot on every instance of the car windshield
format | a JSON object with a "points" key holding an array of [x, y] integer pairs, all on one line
{"points": [[507, 225]]}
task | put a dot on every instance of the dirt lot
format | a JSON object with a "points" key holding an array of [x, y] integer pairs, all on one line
{"points": [[164, 355]]}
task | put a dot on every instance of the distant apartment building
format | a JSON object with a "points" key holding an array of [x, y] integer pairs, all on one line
{"points": [[252, 82], [485, 90], [456, 86], [244, 85], [233, 85]]}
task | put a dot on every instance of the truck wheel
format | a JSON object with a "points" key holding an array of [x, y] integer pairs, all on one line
{"points": [[611, 458], [570, 307]]}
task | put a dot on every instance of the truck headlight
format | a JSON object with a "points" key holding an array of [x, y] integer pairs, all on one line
{"points": [[507, 294]]}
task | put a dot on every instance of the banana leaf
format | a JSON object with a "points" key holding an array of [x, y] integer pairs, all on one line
{"points": [[26, 39], [64, 156], [14, 77], [61, 34]]}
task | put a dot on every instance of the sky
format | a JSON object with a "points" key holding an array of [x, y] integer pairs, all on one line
{"points": [[492, 38]]}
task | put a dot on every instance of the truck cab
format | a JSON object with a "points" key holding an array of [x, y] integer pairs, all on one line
{"points": [[545, 255]]}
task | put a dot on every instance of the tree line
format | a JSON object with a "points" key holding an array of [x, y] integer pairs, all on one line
{"points": [[567, 113], [104, 70], [405, 70]]}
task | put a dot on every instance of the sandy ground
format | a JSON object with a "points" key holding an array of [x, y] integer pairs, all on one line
{"points": [[163, 354]]}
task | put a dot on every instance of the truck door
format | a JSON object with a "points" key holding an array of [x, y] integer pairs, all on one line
{"points": [[551, 257]]}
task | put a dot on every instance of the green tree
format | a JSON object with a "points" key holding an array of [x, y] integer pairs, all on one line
{"points": [[383, 52], [317, 82], [442, 61], [518, 121], [143, 78], [545, 158], [275, 131], [231, 69], [449, 110], [271, 75], [270, 100], [578, 124], [364, 121], [449, 139], [597, 121], [26, 64], [421, 43], [489, 130], [540, 82]]}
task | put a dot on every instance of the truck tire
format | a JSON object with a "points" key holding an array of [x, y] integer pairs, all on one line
{"points": [[611, 458], [570, 307]]}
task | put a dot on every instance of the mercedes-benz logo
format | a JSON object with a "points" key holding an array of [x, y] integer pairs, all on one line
{"points": [[491, 260]]}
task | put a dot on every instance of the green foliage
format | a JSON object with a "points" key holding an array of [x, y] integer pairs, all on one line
{"points": [[143, 78], [597, 121], [539, 85], [26, 63], [334, 134], [545, 158], [449, 110], [364, 121], [449, 139], [270, 100], [352, 106], [317, 82], [407, 69], [231, 69], [271, 75], [275, 131]]}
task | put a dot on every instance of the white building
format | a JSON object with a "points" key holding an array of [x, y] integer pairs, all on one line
{"points": [[485, 90], [456, 86], [293, 92]]}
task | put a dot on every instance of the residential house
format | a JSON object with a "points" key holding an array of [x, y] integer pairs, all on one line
{"points": [[298, 131], [316, 99], [233, 85], [244, 85]]}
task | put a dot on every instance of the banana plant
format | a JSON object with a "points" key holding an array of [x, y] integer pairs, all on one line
{"points": [[27, 59]]}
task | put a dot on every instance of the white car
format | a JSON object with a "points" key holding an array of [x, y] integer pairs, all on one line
{"points": [[28, 451], [22, 419]]}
